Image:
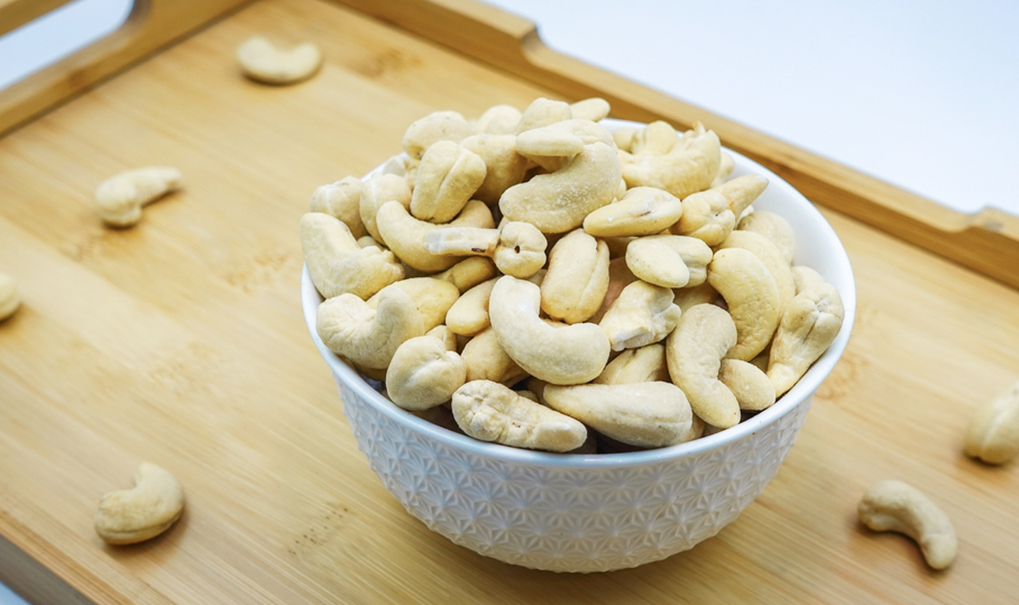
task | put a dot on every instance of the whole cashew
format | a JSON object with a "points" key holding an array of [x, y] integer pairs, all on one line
{"points": [[643, 364], [499, 119], [551, 146], [504, 166], [896, 506], [433, 298], [571, 354], [750, 385], [542, 112], [577, 279], [489, 411], [993, 432], [647, 414], [772, 258], [751, 295], [640, 211], [436, 126], [594, 109], [9, 299], [670, 261], [405, 235], [120, 198], [694, 352], [142, 512], [338, 265], [424, 373], [447, 177], [263, 62], [711, 215], [642, 314], [376, 191], [341, 200], [486, 360], [369, 337], [468, 273], [469, 314], [656, 138], [687, 167], [774, 227], [518, 248]]}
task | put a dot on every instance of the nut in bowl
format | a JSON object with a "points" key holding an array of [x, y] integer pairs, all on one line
{"points": [[587, 512]]}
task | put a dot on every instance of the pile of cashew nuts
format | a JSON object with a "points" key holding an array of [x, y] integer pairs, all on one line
{"points": [[532, 279]]}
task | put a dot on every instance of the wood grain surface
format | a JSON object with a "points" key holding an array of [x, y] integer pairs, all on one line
{"points": [[181, 342]]}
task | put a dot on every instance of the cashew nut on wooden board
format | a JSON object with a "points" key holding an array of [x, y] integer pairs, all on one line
{"points": [[142, 512], [622, 277]]}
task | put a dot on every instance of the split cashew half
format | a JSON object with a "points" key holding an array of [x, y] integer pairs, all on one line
{"points": [[338, 265], [142, 512], [688, 166], [469, 314], [487, 360], [896, 506], [369, 337], [120, 198], [640, 211], [773, 260], [424, 373], [751, 295], [694, 352], [644, 364], [263, 62], [9, 299], [751, 386], [993, 432]]}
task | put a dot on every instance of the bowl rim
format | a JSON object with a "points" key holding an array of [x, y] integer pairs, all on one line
{"points": [[801, 392]]}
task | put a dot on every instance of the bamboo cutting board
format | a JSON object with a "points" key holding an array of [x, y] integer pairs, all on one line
{"points": [[181, 342]]}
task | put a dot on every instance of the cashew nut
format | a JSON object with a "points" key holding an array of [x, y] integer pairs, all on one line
{"points": [[670, 261], [772, 258], [445, 335], [446, 179], [896, 506], [624, 138], [368, 336], [643, 364], [337, 264], [687, 167], [405, 235], [120, 198], [9, 299], [774, 227], [594, 109], [424, 373], [342, 200], [993, 433], [487, 360], [620, 276], [647, 414], [551, 146], [518, 248], [433, 298], [468, 273], [657, 138], [504, 166], [577, 279], [640, 211], [751, 386], [489, 411], [725, 168], [376, 191], [711, 215], [542, 112], [436, 126], [571, 354], [642, 314], [469, 314], [142, 512], [694, 295], [694, 351], [499, 119], [751, 295], [263, 62]]}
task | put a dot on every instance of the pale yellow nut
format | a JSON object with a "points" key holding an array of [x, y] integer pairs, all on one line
{"points": [[462, 241], [647, 414], [445, 335], [120, 198], [688, 167], [773, 227], [643, 364], [376, 191], [341, 200], [771, 256], [624, 138], [468, 273], [424, 373], [504, 167], [656, 138], [368, 336], [577, 279], [751, 386], [446, 179], [433, 298], [489, 411], [993, 432], [499, 119], [436, 126], [694, 352], [9, 299], [469, 314], [712, 215], [670, 261], [338, 265], [571, 354], [896, 506], [594, 109], [542, 112], [558, 202], [689, 296], [551, 146], [725, 167], [640, 211], [142, 512], [261, 61], [751, 296], [642, 314], [486, 360], [517, 248], [405, 235]]}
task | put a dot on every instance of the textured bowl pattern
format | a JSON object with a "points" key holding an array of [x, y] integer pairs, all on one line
{"points": [[565, 518]]}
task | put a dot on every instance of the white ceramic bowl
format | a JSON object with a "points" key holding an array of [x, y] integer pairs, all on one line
{"points": [[585, 513]]}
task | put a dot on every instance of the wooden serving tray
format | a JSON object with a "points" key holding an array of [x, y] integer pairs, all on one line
{"points": [[181, 342]]}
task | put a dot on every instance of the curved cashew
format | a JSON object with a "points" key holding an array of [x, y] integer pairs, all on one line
{"points": [[341, 200], [711, 215], [750, 385], [993, 432], [689, 165], [643, 364], [772, 258], [369, 337], [504, 166], [594, 109], [542, 112], [551, 146], [642, 314], [751, 295], [558, 202], [9, 299], [376, 191], [577, 279], [647, 414], [433, 298], [518, 248], [436, 126], [694, 351], [687, 297], [142, 512], [446, 179], [670, 261], [468, 273], [337, 264], [896, 506], [571, 354], [640, 211], [469, 314], [120, 198], [489, 411], [424, 373], [487, 360], [499, 119], [263, 62], [775, 228], [405, 235]]}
